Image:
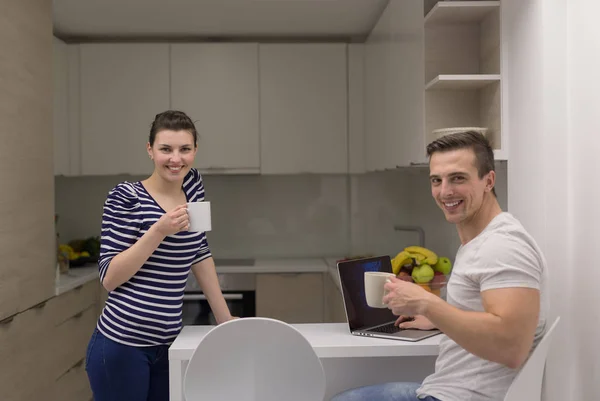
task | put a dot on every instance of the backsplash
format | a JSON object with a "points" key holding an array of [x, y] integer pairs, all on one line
{"points": [[293, 215]]}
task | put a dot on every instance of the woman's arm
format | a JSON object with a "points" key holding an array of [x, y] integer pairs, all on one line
{"points": [[206, 275], [128, 262]]}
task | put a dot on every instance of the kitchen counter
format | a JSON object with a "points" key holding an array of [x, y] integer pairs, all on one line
{"points": [[348, 361], [81, 275], [75, 277], [279, 265]]}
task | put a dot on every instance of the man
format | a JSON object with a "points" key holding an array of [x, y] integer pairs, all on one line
{"points": [[496, 303]]}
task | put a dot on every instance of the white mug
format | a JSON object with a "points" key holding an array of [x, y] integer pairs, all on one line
{"points": [[374, 291], [199, 214]]}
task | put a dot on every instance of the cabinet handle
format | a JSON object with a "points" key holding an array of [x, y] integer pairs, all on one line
{"points": [[40, 305], [8, 320], [78, 364], [78, 315]]}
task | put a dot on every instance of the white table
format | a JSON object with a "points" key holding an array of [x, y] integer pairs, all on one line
{"points": [[349, 361]]}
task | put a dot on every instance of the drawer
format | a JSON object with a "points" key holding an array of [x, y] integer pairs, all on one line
{"points": [[70, 339], [73, 385], [23, 349], [67, 305]]}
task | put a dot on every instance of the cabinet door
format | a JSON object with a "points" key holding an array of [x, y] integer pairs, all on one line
{"points": [[290, 297], [217, 86], [303, 108], [60, 126], [123, 87]]}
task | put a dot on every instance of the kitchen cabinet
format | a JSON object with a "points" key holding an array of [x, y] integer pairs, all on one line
{"points": [[123, 87], [335, 311], [216, 84], [426, 73], [394, 88], [60, 126], [291, 297], [66, 109], [46, 345], [303, 108], [463, 69]]}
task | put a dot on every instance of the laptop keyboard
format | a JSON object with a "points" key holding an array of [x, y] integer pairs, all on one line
{"points": [[386, 328]]}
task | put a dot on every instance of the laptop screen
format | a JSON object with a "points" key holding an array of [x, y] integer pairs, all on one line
{"points": [[359, 314]]}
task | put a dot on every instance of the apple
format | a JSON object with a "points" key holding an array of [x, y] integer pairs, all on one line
{"points": [[443, 266], [422, 274]]}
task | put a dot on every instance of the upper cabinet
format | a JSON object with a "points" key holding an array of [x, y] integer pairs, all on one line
{"points": [[463, 69], [216, 84], [303, 108], [427, 70], [60, 128], [123, 86], [393, 87]]}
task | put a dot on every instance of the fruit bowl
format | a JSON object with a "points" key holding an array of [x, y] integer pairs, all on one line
{"points": [[423, 267]]}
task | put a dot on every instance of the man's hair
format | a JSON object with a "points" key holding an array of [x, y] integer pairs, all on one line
{"points": [[484, 154]]}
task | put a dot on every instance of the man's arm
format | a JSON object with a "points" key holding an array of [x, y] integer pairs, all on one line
{"points": [[503, 333]]}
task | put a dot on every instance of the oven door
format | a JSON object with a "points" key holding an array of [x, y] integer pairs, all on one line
{"points": [[238, 291]]}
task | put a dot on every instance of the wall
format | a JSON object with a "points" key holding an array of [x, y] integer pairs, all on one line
{"points": [[583, 62], [293, 215], [552, 114], [27, 240]]}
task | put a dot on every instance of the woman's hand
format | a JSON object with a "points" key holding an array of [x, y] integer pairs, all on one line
{"points": [[174, 221]]}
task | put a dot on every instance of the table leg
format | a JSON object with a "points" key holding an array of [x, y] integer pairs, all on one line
{"points": [[176, 369]]}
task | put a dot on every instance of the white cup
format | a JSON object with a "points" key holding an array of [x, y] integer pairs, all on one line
{"points": [[199, 214], [374, 291]]}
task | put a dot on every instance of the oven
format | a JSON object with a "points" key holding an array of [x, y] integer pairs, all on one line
{"points": [[239, 291]]}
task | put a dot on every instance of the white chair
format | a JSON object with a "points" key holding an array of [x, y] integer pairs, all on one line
{"points": [[254, 359], [527, 385]]}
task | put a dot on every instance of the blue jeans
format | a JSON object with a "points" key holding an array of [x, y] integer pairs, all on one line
{"points": [[119, 372], [383, 392]]}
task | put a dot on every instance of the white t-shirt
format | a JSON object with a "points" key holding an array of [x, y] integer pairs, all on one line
{"points": [[503, 255]]}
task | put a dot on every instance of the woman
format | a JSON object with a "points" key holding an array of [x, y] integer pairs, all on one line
{"points": [[145, 258]]}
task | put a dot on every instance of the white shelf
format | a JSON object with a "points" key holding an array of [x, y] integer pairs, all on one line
{"points": [[462, 81], [500, 155], [459, 12]]}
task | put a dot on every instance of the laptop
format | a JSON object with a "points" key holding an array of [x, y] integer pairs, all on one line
{"points": [[362, 319]]}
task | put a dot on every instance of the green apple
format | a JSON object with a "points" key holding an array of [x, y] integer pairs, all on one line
{"points": [[443, 266], [422, 274]]}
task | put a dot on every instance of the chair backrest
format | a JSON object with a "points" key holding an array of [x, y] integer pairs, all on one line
{"points": [[527, 385], [253, 359]]}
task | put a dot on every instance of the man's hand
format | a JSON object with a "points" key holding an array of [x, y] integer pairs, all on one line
{"points": [[405, 298], [419, 322]]}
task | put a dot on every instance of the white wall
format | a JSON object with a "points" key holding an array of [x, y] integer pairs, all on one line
{"points": [[583, 62], [552, 102]]}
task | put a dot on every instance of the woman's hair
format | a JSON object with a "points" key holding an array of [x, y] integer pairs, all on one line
{"points": [[173, 120]]}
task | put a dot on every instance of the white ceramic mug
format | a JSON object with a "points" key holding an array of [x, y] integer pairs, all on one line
{"points": [[374, 291], [199, 213]]}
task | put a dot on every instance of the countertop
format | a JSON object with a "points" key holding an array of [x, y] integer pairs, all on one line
{"points": [[81, 275], [75, 277], [329, 340]]}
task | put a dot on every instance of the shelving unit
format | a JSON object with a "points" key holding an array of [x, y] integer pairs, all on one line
{"points": [[460, 12], [461, 81], [462, 68]]}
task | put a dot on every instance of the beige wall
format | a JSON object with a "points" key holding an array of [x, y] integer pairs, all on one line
{"points": [[26, 173]]}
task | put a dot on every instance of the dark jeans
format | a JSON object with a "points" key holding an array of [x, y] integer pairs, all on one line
{"points": [[120, 372]]}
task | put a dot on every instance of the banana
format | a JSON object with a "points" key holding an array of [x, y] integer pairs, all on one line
{"points": [[418, 258], [430, 257], [403, 258]]}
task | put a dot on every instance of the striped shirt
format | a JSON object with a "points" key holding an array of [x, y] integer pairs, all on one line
{"points": [[146, 310]]}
